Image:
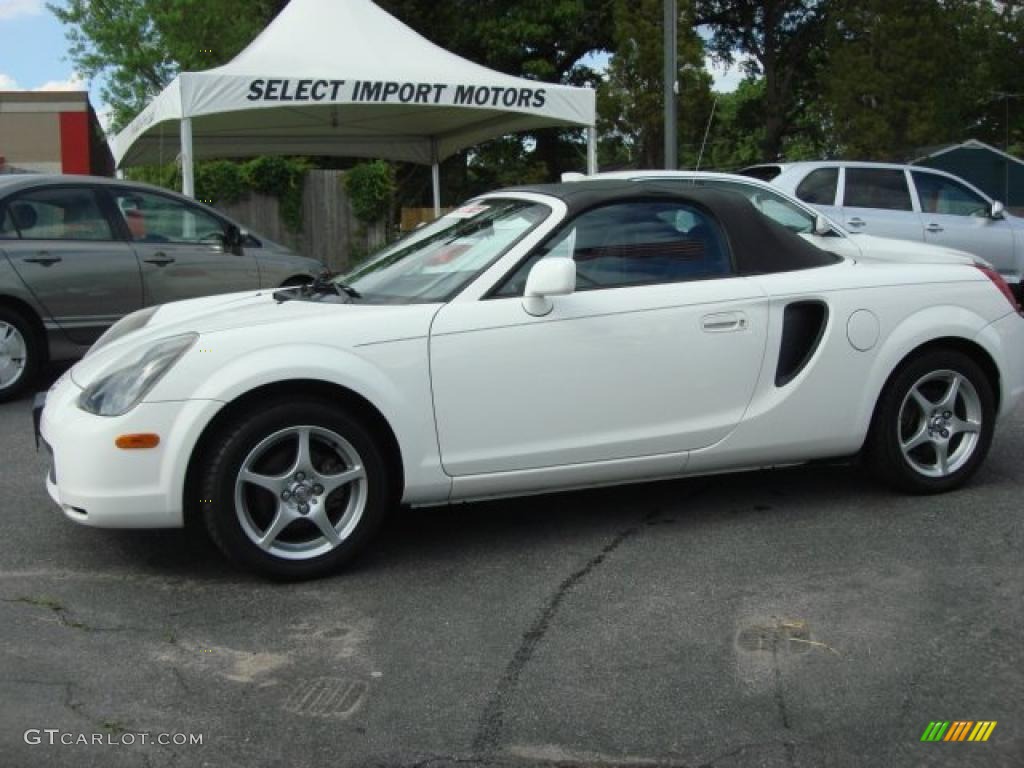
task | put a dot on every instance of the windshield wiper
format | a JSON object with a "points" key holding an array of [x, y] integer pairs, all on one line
{"points": [[323, 284], [347, 289]]}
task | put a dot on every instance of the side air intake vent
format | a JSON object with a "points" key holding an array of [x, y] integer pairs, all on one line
{"points": [[803, 325]]}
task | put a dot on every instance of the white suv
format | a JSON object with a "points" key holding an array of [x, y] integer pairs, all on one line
{"points": [[911, 203]]}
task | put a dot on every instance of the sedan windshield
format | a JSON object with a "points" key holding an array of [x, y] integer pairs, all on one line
{"points": [[439, 260]]}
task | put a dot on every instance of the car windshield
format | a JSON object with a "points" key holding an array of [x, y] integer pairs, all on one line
{"points": [[436, 262]]}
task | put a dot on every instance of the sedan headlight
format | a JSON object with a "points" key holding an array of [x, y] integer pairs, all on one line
{"points": [[124, 326], [118, 392]]}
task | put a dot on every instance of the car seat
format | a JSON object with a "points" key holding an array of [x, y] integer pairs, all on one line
{"points": [[24, 215]]}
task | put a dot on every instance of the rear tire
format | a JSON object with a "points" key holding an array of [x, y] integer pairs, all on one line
{"points": [[21, 353], [933, 424], [295, 491]]}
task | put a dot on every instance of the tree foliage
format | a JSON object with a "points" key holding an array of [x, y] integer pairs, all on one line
{"points": [[370, 187], [227, 181], [783, 42], [138, 46], [631, 100], [905, 74]]}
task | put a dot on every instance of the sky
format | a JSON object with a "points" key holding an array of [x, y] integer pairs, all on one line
{"points": [[34, 54], [33, 50]]}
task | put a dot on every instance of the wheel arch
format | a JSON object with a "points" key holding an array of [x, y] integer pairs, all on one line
{"points": [[968, 347], [22, 307], [292, 389]]}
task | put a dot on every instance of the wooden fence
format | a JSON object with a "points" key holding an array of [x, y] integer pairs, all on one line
{"points": [[330, 232]]}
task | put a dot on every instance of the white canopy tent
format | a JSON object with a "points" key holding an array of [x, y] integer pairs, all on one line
{"points": [[343, 77]]}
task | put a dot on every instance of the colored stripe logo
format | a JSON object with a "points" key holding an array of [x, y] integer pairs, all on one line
{"points": [[958, 730]]}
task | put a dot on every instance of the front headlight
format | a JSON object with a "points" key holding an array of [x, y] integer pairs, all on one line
{"points": [[120, 391], [124, 326]]}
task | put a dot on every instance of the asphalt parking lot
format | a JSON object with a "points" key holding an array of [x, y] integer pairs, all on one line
{"points": [[803, 617]]}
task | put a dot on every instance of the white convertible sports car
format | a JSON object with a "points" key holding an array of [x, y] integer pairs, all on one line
{"points": [[536, 339]]}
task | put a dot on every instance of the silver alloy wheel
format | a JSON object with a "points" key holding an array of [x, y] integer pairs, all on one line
{"points": [[310, 502], [940, 423], [13, 355]]}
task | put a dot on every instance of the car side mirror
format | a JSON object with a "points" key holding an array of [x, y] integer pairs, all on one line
{"points": [[554, 276], [997, 210], [821, 225]]}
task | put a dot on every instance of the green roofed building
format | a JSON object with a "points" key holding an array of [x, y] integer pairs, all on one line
{"points": [[996, 173]]}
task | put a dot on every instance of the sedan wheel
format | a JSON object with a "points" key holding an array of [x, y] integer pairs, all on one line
{"points": [[19, 354], [933, 424], [294, 491]]}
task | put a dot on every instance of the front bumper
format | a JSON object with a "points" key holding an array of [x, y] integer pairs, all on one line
{"points": [[97, 484]]}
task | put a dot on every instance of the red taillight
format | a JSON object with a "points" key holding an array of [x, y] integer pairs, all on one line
{"points": [[1002, 285]]}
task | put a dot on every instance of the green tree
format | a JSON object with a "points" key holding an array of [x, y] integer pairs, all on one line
{"points": [[737, 130], [547, 40], [906, 74], [631, 100], [783, 42], [138, 46], [996, 48]]}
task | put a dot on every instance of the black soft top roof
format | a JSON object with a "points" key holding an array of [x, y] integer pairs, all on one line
{"points": [[759, 245]]}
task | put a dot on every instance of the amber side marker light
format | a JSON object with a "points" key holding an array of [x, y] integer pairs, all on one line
{"points": [[134, 442]]}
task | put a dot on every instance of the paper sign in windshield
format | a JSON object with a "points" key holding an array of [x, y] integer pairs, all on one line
{"points": [[469, 211]]}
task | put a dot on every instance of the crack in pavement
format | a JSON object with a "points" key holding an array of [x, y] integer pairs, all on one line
{"points": [[780, 700], [492, 720]]}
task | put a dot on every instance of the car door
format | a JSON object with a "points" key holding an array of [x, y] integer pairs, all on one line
{"points": [[70, 255], [958, 217], [877, 201], [181, 248], [657, 351]]}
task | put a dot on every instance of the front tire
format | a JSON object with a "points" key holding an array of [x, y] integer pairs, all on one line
{"points": [[21, 353], [295, 491], [934, 423]]}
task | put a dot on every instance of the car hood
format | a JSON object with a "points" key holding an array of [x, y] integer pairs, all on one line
{"points": [[334, 324]]}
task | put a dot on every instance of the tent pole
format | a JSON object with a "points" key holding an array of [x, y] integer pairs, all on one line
{"points": [[591, 150], [435, 176], [188, 186], [435, 172]]}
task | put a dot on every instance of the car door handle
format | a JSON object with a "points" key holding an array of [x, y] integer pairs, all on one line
{"points": [[724, 322], [43, 259], [855, 222], [160, 259], [933, 227]]}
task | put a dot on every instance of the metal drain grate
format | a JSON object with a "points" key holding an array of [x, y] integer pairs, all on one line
{"points": [[326, 697]]}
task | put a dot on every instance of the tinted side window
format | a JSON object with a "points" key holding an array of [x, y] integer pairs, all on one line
{"points": [[819, 186], [63, 213], [941, 195], [635, 244], [877, 188], [158, 219]]}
